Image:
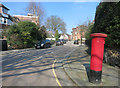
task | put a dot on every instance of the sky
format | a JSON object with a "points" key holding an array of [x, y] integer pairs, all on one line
{"points": [[72, 13]]}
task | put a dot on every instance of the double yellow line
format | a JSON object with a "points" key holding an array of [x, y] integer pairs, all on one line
{"points": [[53, 66]]}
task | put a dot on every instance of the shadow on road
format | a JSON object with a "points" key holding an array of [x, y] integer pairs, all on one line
{"points": [[25, 61], [32, 62]]}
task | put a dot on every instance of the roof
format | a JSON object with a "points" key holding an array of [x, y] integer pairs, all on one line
{"points": [[25, 16], [1, 5], [73, 28]]}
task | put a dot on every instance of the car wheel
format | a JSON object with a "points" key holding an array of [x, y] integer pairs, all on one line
{"points": [[36, 47], [44, 46], [49, 46]]}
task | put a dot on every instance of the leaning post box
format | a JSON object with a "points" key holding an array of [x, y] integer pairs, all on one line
{"points": [[97, 51]]}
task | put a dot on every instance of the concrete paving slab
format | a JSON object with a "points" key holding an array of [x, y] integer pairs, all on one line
{"points": [[77, 67]]}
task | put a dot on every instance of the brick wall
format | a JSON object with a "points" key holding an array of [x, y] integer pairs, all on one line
{"points": [[28, 18], [76, 34], [0, 9]]}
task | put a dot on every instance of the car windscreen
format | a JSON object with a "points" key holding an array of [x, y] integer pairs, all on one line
{"points": [[43, 41], [57, 41]]}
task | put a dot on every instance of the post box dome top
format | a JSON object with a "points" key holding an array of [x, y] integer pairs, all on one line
{"points": [[98, 35]]}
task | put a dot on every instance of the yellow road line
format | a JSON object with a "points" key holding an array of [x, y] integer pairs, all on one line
{"points": [[53, 65]]}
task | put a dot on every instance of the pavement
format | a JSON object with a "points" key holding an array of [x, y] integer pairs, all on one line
{"points": [[77, 64]]}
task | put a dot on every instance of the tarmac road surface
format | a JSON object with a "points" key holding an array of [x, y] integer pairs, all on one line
{"points": [[37, 67]]}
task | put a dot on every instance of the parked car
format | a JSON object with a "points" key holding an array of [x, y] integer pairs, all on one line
{"points": [[52, 42], [64, 41], [43, 44], [76, 42], [58, 42]]}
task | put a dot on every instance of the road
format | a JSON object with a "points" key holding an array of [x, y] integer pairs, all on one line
{"points": [[37, 67]]}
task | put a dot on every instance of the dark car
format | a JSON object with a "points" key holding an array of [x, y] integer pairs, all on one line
{"points": [[64, 41], [61, 42], [76, 42], [43, 44], [58, 42]]}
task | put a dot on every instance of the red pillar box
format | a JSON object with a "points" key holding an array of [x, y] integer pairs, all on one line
{"points": [[97, 50]]}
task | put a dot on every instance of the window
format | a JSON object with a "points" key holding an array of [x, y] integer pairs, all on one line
{"points": [[4, 20], [9, 22], [0, 20], [4, 10], [76, 33], [76, 37]]}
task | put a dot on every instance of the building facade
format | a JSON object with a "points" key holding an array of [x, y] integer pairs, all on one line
{"points": [[5, 18], [76, 33], [29, 17], [69, 37], [64, 36]]}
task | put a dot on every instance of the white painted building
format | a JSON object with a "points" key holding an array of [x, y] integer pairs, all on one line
{"points": [[5, 18], [64, 36], [50, 38]]}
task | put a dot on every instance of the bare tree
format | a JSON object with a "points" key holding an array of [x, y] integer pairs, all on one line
{"points": [[54, 23], [37, 10], [85, 27], [82, 29]]}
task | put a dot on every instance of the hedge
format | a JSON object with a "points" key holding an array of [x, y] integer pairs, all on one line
{"points": [[107, 20]]}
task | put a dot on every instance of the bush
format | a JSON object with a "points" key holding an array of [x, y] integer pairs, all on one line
{"points": [[57, 35], [23, 35], [89, 31], [42, 33], [52, 41], [78, 39]]}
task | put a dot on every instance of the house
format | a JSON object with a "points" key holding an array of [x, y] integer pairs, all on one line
{"points": [[69, 37], [5, 18], [64, 36], [29, 17], [76, 33]]}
